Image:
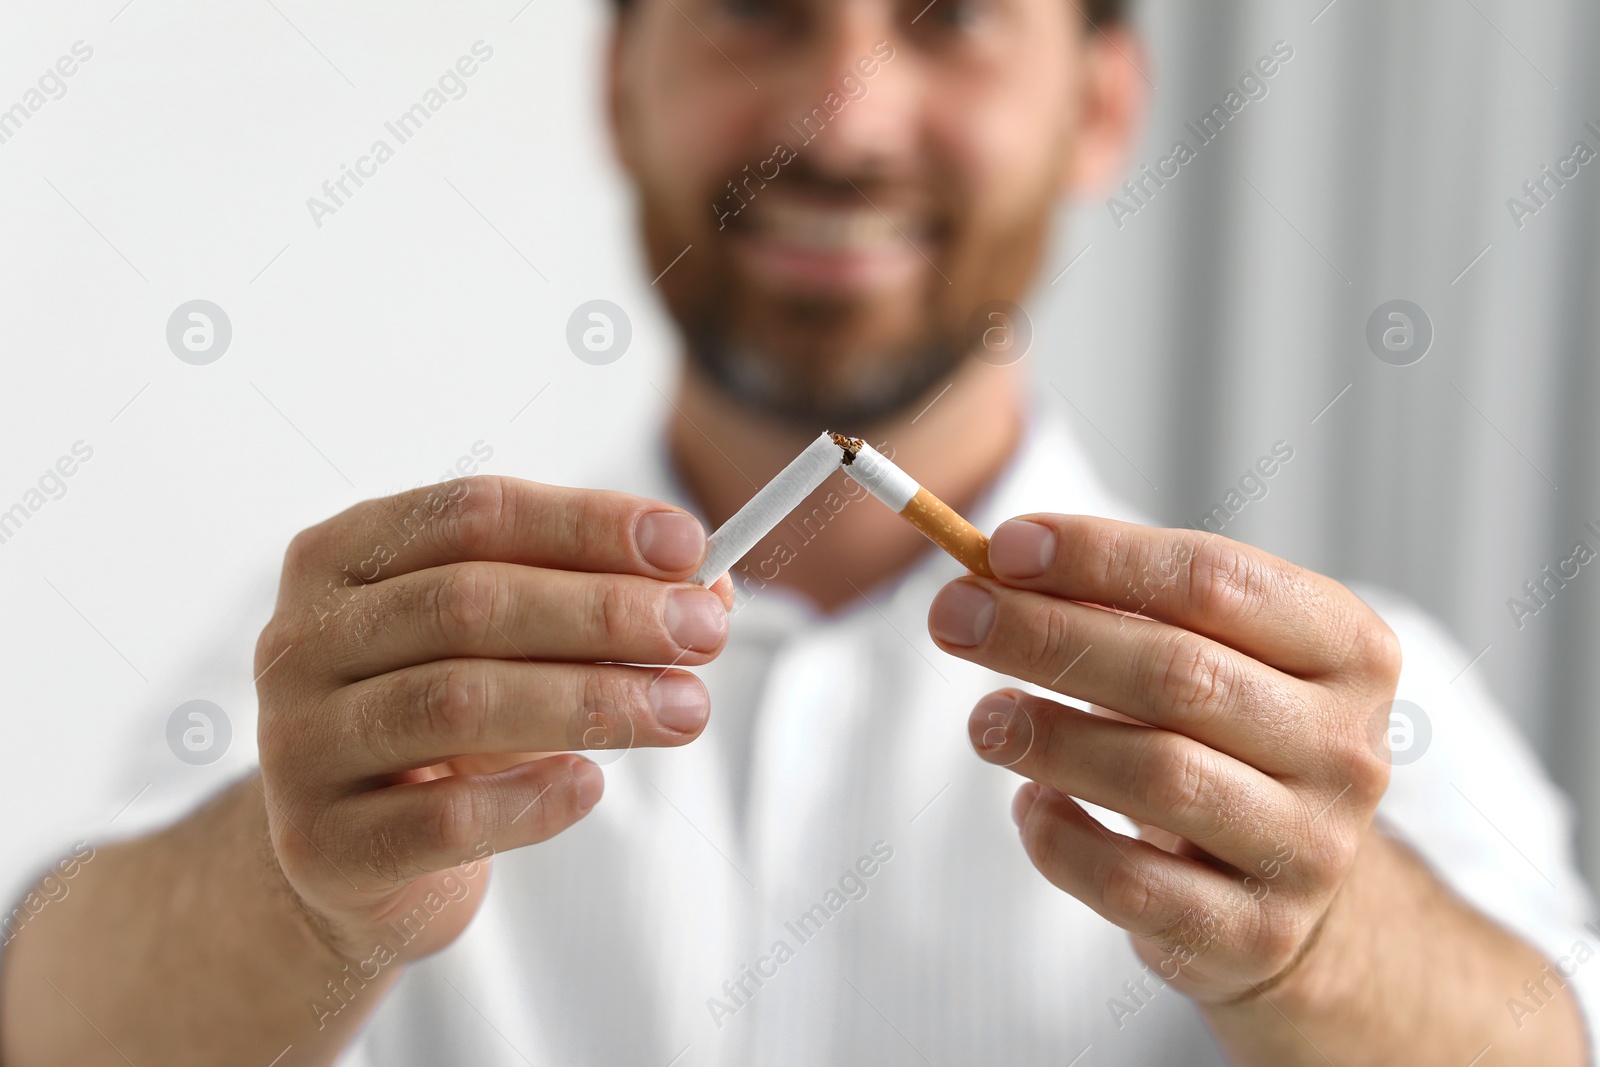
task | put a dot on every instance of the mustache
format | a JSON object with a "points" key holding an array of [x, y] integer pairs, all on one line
{"points": [[748, 376], [798, 177]]}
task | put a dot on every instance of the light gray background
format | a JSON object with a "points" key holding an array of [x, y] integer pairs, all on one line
{"points": [[369, 354]]}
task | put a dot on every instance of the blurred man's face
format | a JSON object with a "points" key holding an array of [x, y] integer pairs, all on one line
{"points": [[855, 178]]}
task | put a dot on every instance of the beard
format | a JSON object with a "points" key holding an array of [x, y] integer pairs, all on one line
{"points": [[835, 361], [809, 386]]}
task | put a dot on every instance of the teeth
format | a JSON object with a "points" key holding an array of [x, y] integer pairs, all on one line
{"points": [[827, 229]]}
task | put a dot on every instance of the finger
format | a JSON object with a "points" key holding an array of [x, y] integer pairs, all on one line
{"points": [[1267, 608], [424, 715], [506, 520], [391, 835], [1198, 916], [723, 587], [1154, 777], [1157, 673], [503, 611]]}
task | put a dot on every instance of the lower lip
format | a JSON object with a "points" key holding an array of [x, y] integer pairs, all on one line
{"points": [[795, 268]]}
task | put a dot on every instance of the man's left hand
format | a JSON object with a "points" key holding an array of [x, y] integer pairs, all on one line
{"points": [[1243, 694]]}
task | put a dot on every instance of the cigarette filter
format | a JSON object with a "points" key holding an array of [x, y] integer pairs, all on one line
{"points": [[939, 522]]}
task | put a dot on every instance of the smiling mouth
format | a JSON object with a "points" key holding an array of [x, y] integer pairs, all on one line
{"points": [[815, 246], [830, 229]]}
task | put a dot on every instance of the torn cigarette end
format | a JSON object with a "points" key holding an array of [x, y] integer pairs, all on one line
{"points": [[850, 446], [938, 521]]}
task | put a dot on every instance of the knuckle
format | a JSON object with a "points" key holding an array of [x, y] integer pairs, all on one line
{"points": [[1127, 891], [273, 641], [484, 508], [306, 550], [611, 612], [1113, 547], [1338, 850], [588, 525], [1188, 935], [542, 811], [296, 851], [279, 738], [1327, 847], [602, 718], [1050, 638], [1377, 650], [1279, 932], [1195, 676], [462, 607], [450, 702], [1367, 773], [1226, 580], [384, 853], [1357, 764], [459, 818], [1176, 779], [368, 722]]}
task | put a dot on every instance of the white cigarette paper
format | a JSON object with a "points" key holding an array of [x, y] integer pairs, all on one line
{"points": [[882, 478], [763, 512]]}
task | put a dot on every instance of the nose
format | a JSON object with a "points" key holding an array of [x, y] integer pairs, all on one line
{"points": [[853, 101]]}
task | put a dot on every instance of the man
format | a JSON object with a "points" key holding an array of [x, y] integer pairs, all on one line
{"points": [[822, 873]]}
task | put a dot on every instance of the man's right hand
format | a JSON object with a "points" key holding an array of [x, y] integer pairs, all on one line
{"points": [[428, 655], [428, 651]]}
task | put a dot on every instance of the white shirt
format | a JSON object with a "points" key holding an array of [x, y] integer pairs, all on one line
{"points": [[831, 738], [834, 807]]}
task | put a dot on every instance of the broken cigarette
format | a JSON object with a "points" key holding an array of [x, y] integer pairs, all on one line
{"points": [[938, 521], [770, 506], [875, 472]]}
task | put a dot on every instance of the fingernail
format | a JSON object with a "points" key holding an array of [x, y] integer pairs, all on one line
{"points": [[670, 540], [679, 702], [588, 783], [1022, 803], [962, 614], [696, 619], [1022, 549]]}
